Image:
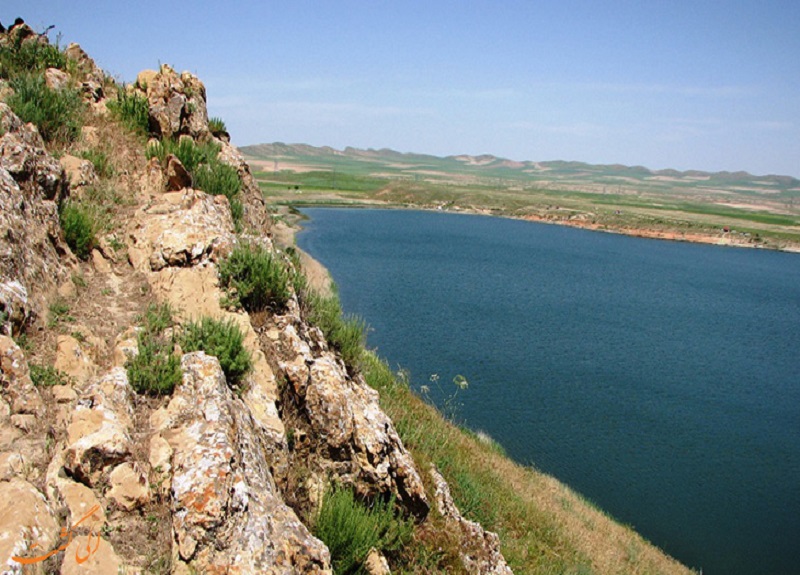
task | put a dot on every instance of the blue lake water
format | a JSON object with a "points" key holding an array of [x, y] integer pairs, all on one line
{"points": [[660, 380]]}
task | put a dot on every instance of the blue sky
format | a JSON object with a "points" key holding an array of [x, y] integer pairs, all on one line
{"points": [[709, 85]]}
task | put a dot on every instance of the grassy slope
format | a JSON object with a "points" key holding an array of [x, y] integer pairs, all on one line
{"points": [[761, 210]]}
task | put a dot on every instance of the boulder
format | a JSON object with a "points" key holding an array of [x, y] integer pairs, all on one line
{"points": [[479, 549], [180, 229], [227, 513], [56, 79], [91, 555], [79, 172], [177, 103], [178, 177], [28, 527], [73, 361], [129, 487], [98, 436]]}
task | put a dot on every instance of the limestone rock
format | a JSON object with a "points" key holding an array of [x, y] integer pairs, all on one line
{"points": [[376, 563], [14, 306], [55, 79], [98, 436], [177, 103], [72, 360], [129, 488], [12, 465], [80, 501], [91, 555], [31, 242], [80, 173], [226, 510], [15, 382], [178, 177], [181, 229], [26, 520], [480, 549], [347, 415]]}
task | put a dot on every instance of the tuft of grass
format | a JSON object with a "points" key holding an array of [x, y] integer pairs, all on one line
{"points": [[79, 223], [351, 528], [217, 179], [347, 333], [58, 313], [100, 161], [217, 126], [222, 339], [255, 278], [155, 370], [132, 109], [47, 376], [57, 113]]}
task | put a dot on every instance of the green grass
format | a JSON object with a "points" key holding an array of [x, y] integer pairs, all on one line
{"points": [[255, 278], [155, 370], [222, 339], [100, 161], [79, 223], [131, 109], [20, 58], [347, 333], [350, 528], [58, 114], [47, 376]]}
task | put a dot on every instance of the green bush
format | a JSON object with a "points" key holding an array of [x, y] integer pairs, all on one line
{"points": [[155, 370], [347, 333], [350, 529], [190, 154], [132, 109], [222, 339], [80, 225], [256, 278], [47, 376], [57, 113], [29, 57]]}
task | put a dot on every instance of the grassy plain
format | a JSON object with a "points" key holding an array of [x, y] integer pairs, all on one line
{"points": [[734, 208]]}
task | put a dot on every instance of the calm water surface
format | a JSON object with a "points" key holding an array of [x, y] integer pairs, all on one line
{"points": [[660, 380]]}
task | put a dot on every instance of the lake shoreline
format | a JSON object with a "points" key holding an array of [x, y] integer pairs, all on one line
{"points": [[722, 238]]}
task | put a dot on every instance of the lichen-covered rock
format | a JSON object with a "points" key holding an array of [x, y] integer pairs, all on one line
{"points": [[177, 103], [480, 549], [360, 438], [226, 510], [73, 361], [256, 216], [80, 173], [31, 184], [99, 435], [181, 229]]}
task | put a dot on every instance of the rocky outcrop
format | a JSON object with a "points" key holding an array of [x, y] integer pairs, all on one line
{"points": [[31, 245], [181, 229], [177, 103], [358, 440], [479, 549], [227, 513]]}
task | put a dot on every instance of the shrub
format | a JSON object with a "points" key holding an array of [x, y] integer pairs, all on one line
{"points": [[222, 339], [190, 154], [57, 113], [79, 224], [155, 370], [350, 529], [256, 278], [132, 109], [47, 376]]}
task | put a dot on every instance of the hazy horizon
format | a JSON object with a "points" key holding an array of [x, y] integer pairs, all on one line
{"points": [[704, 85]]}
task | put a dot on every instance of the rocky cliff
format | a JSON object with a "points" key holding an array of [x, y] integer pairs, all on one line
{"points": [[96, 477]]}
